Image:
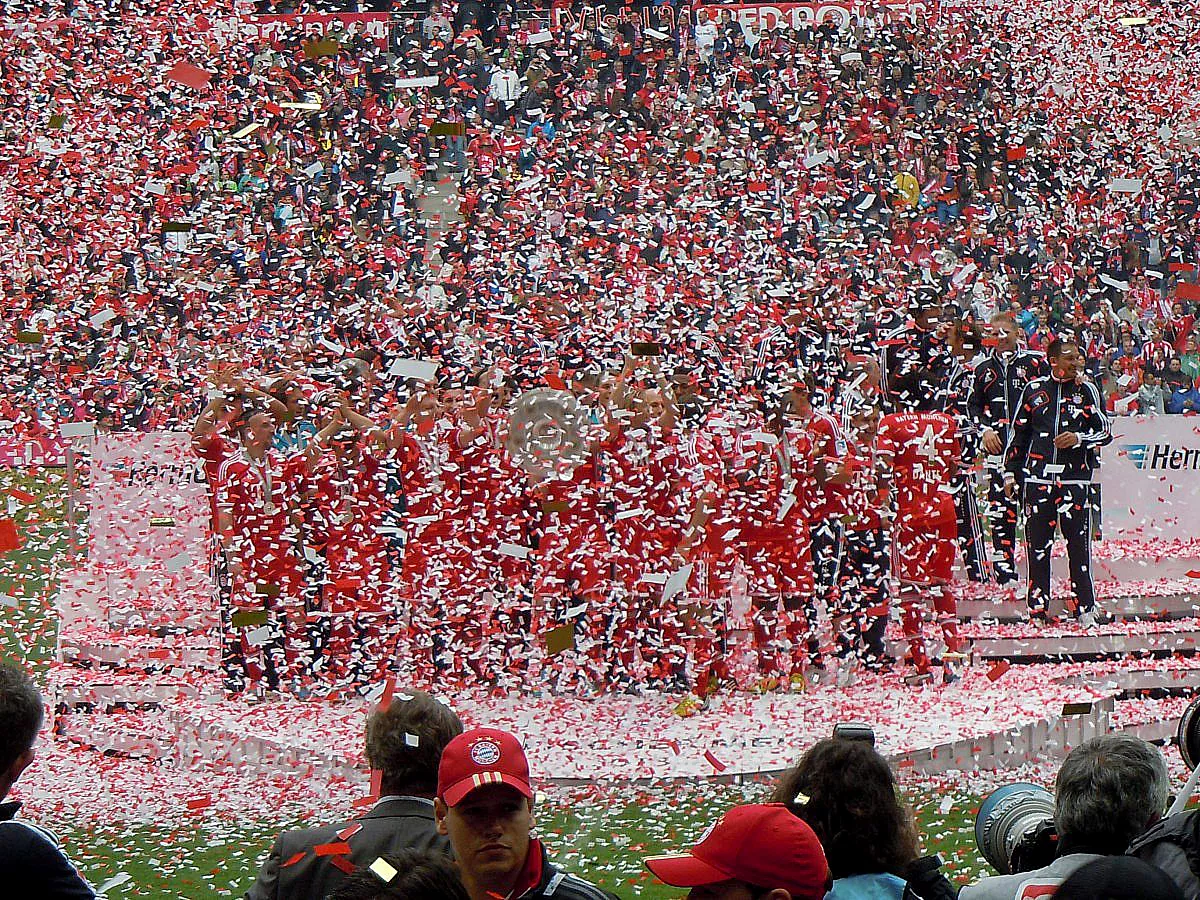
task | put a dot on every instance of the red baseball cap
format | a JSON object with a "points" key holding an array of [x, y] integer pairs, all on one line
{"points": [[764, 845], [480, 757]]}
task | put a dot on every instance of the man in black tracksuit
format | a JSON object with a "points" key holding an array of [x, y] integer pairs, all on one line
{"points": [[964, 342], [31, 865], [991, 402], [1057, 430], [918, 346]]}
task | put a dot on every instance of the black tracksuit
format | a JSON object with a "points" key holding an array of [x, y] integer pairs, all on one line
{"points": [[1057, 482], [991, 402], [31, 863], [970, 529]]}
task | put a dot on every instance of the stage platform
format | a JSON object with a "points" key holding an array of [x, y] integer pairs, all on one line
{"points": [[137, 678]]}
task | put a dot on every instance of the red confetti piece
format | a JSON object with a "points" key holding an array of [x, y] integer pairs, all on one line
{"points": [[714, 762], [295, 858], [338, 848], [192, 76], [997, 671], [342, 863], [9, 539]]}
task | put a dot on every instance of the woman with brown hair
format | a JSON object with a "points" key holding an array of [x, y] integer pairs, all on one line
{"points": [[846, 793]]}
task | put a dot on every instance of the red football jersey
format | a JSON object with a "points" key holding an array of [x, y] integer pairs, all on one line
{"points": [[829, 446], [260, 499], [923, 451], [643, 470]]}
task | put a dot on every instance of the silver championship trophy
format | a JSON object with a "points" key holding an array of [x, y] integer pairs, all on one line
{"points": [[545, 432]]}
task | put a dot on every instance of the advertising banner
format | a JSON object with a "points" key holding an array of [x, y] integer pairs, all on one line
{"points": [[1150, 478], [767, 15], [149, 501], [27, 451]]}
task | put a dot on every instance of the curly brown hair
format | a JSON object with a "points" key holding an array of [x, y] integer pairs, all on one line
{"points": [[405, 742], [846, 792]]}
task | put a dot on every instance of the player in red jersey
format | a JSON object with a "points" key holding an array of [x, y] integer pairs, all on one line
{"points": [[859, 614], [348, 503], [824, 505], [921, 450], [258, 518], [219, 419], [643, 472], [739, 514], [803, 481], [574, 557], [704, 543], [419, 442], [496, 524]]}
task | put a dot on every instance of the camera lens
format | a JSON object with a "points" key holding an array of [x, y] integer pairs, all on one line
{"points": [[1188, 736], [1008, 816]]}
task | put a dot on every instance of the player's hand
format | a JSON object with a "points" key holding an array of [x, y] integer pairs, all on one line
{"points": [[1010, 487], [992, 443], [1066, 440]]}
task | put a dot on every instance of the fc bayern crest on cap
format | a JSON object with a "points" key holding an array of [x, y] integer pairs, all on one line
{"points": [[485, 753]]}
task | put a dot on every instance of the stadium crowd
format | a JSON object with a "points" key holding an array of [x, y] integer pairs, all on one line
{"points": [[453, 815], [349, 258]]}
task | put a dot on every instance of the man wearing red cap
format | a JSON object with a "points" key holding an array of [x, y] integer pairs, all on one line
{"points": [[485, 806], [755, 852]]}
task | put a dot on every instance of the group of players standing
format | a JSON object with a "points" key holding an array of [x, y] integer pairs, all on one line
{"points": [[750, 539]]}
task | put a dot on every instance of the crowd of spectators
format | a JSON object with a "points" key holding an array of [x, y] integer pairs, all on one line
{"points": [[706, 188], [454, 811]]}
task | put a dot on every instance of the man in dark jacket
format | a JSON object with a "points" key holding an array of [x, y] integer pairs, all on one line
{"points": [[485, 806], [1173, 845], [992, 401], [1053, 448], [405, 741], [31, 864]]}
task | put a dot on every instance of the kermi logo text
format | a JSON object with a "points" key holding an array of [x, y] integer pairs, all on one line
{"points": [[1162, 457]]}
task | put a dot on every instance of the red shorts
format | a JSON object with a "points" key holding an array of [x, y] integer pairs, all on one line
{"points": [[775, 567], [924, 556], [572, 560], [358, 575], [640, 551]]}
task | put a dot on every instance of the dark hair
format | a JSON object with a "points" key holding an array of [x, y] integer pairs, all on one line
{"points": [[917, 390], [420, 875], [405, 742], [21, 713], [1118, 878], [1055, 350], [969, 334], [845, 791]]}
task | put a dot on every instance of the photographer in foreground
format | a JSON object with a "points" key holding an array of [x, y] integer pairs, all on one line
{"points": [[1108, 792], [846, 792]]}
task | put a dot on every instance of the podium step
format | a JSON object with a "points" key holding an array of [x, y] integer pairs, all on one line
{"points": [[1152, 683], [1086, 647], [1131, 608], [148, 652]]}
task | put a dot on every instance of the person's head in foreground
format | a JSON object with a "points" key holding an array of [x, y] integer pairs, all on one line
{"points": [[405, 743], [485, 806], [405, 875], [846, 792], [1108, 791], [1119, 878], [755, 852], [21, 713]]}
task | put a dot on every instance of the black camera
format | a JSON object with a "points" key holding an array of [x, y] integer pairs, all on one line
{"points": [[1014, 828], [854, 731]]}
